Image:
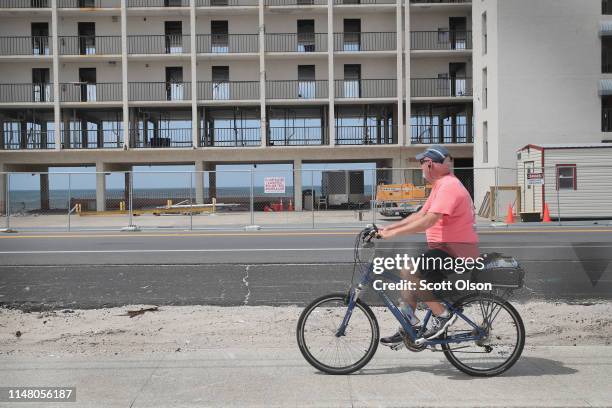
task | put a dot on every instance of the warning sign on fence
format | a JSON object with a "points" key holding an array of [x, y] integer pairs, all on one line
{"points": [[535, 179], [274, 185]]}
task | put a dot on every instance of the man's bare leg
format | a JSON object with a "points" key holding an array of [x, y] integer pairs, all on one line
{"points": [[410, 297]]}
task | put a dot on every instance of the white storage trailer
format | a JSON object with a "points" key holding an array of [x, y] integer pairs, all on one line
{"points": [[574, 179]]}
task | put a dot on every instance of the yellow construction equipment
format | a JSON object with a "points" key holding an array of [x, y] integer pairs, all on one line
{"points": [[400, 199]]}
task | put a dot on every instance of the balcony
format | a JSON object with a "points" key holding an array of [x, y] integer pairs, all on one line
{"points": [[231, 137], [227, 3], [355, 42], [295, 2], [159, 91], [440, 1], [227, 43], [12, 46], [292, 42], [365, 88], [441, 134], [158, 44], [160, 138], [25, 4], [441, 40], [309, 89], [90, 45], [89, 4], [31, 139], [362, 2], [364, 135], [92, 139], [441, 87], [606, 7], [28, 93], [296, 136], [230, 90], [87, 92], [157, 3]]}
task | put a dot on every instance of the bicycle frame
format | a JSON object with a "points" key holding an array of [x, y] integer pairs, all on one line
{"points": [[367, 280]]}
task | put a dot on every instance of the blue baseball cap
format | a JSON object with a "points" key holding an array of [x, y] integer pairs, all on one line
{"points": [[436, 153]]}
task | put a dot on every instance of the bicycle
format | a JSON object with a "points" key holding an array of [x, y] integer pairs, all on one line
{"points": [[471, 343]]}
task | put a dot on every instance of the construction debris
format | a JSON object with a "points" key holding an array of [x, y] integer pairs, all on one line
{"points": [[133, 313]]}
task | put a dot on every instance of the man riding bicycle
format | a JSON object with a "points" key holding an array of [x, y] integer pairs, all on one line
{"points": [[447, 217]]}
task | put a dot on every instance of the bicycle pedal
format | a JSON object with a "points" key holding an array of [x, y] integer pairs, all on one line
{"points": [[397, 346]]}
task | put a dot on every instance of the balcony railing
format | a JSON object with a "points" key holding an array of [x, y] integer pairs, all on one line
{"points": [[92, 139], [159, 138], [90, 45], [231, 90], [158, 44], [32, 139], [358, 2], [438, 134], [315, 89], [159, 91], [365, 41], [606, 61], [365, 88], [88, 92], [295, 2], [441, 87], [364, 135], [226, 3], [227, 43], [292, 42], [441, 40], [231, 137], [25, 4], [296, 136], [10, 93], [89, 3], [25, 46], [157, 3]]}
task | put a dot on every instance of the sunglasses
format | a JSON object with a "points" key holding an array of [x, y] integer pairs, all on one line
{"points": [[423, 161]]}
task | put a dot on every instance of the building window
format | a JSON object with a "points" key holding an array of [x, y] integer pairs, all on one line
{"points": [[606, 113], [484, 33], [606, 7], [485, 90], [606, 55], [566, 177], [485, 142]]}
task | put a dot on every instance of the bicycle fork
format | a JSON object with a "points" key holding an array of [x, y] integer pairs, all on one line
{"points": [[353, 296]]}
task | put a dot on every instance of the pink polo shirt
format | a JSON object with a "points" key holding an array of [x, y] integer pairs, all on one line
{"points": [[456, 227]]}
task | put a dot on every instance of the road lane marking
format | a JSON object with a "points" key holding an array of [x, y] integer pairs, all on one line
{"points": [[272, 234], [109, 251]]}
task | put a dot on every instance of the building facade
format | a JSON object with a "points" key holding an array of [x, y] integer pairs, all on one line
{"points": [[115, 83]]}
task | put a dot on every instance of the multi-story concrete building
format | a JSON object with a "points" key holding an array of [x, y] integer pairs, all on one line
{"points": [[115, 83]]}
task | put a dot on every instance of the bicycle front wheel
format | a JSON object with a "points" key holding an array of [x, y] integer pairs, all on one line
{"points": [[332, 354], [504, 336]]}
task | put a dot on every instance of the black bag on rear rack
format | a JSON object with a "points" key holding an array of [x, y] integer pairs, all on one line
{"points": [[502, 272]]}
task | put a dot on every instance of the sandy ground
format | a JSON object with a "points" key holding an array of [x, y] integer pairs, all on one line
{"points": [[191, 328]]}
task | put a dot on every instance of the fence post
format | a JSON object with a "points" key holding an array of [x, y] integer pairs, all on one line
{"points": [[312, 200], [373, 197], [496, 193], [8, 201], [191, 175], [69, 195], [252, 198], [130, 194]]}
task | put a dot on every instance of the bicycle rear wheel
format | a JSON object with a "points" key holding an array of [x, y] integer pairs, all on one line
{"points": [[504, 341], [317, 340]]}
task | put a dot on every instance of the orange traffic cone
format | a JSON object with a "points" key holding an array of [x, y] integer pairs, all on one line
{"points": [[510, 216], [290, 208], [546, 216], [280, 207]]}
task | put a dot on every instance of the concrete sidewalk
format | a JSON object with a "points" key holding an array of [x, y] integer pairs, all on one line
{"points": [[544, 376]]}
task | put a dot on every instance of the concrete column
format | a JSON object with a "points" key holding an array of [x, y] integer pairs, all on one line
{"points": [[199, 181], [262, 76], [44, 191], [195, 123], [399, 74], [56, 87], [100, 187], [408, 133], [330, 72], [124, 76], [297, 184], [3, 191]]}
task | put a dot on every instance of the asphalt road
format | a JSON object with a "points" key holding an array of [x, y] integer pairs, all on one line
{"points": [[89, 270]]}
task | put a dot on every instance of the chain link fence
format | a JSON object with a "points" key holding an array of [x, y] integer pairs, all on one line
{"points": [[300, 198]]}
